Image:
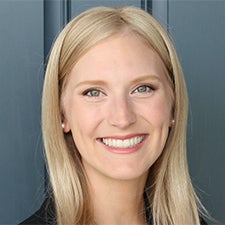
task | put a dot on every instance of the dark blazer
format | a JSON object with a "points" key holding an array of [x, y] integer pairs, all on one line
{"points": [[46, 215]]}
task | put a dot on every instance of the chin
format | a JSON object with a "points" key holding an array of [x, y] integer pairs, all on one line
{"points": [[124, 174]]}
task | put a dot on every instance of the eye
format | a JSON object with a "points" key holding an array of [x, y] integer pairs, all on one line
{"points": [[92, 93], [145, 89]]}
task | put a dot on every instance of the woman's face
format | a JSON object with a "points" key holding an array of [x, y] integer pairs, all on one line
{"points": [[118, 105]]}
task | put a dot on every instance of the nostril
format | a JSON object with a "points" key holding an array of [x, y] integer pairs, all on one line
{"points": [[122, 120], [122, 113]]}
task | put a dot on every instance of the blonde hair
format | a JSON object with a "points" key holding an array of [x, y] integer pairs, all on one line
{"points": [[169, 189]]}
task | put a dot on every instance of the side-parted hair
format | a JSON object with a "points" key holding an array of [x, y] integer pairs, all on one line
{"points": [[172, 198]]}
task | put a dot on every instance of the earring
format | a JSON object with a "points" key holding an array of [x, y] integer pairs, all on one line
{"points": [[172, 122], [63, 125]]}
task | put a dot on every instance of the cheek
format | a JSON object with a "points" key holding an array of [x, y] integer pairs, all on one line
{"points": [[163, 114], [158, 112], [83, 118], [164, 108]]}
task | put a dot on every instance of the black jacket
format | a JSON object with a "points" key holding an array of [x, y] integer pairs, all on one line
{"points": [[46, 215]]}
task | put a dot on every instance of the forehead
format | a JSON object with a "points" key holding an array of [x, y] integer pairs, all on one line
{"points": [[117, 52]]}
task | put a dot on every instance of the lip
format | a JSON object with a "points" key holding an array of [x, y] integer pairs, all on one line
{"points": [[124, 150]]}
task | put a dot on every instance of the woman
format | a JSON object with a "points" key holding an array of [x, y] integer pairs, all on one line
{"points": [[114, 124]]}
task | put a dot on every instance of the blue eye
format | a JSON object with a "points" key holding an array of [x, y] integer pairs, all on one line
{"points": [[144, 89], [92, 93]]}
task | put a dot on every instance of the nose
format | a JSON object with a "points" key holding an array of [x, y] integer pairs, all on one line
{"points": [[121, 113]]}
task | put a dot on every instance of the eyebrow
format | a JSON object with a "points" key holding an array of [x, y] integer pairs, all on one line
{"points": [[104, 83], [92, 82], [146, 77]]}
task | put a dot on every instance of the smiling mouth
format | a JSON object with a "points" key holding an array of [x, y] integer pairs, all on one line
{"points": [[123, 143]]}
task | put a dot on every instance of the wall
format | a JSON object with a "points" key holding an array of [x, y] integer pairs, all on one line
{"points": [[198, 30], [21, 73]]}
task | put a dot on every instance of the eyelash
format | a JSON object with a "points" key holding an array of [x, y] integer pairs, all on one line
{"points": [[148, 89], [87, 92]]}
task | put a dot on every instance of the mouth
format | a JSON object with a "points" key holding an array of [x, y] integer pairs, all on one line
{"points": [[123, 143]]}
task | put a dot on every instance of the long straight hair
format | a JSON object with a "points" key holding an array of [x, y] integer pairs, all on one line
{"points": [[171, 195]]}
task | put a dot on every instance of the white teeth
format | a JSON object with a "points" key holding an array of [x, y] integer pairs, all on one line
{"points": [[127, 143]]}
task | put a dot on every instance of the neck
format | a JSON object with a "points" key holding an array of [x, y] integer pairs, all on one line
{"points": [[118, 201]]}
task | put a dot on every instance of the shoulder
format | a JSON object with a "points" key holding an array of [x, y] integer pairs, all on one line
{"points": [[44, 216]]}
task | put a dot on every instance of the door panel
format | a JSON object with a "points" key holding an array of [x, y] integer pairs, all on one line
{"points": [[21, 72], [79, 6], [198, 30]]}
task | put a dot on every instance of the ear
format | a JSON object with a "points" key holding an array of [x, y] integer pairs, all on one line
{"points": [[172, 122], [65, 125]]}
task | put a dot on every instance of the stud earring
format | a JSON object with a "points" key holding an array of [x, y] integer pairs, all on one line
{"points": [[63, 125], [172, 122]]}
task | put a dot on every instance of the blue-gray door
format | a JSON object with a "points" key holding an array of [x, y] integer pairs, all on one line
{"points": [[21, 75], [198, 30]]}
